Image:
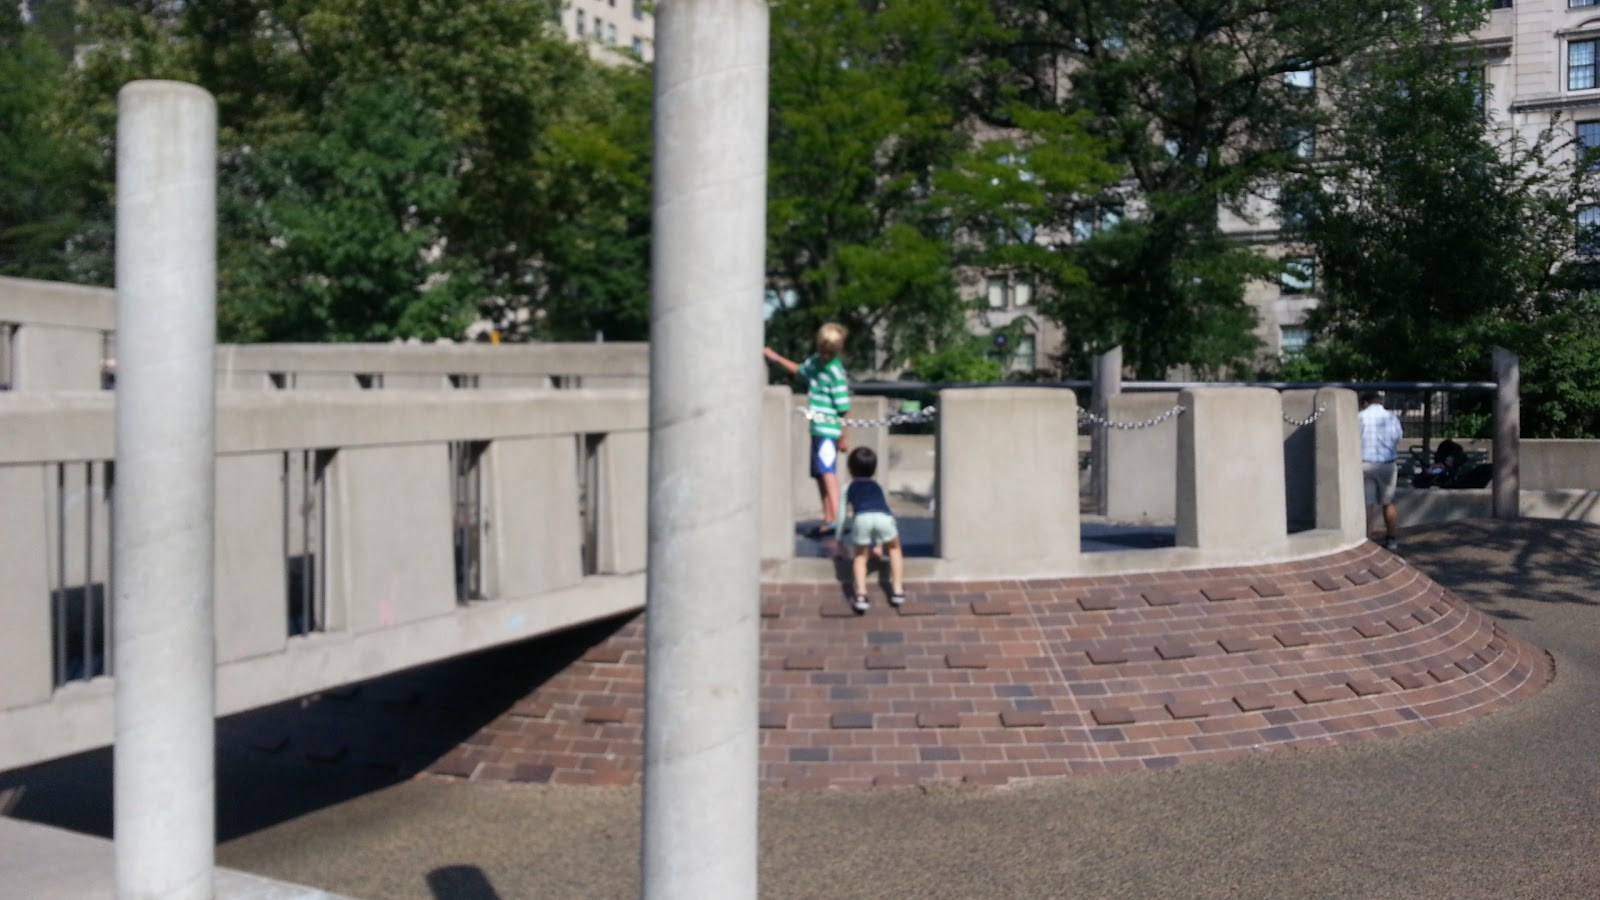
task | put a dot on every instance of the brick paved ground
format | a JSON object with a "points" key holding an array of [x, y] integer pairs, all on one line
{"points": [[998, 681]]}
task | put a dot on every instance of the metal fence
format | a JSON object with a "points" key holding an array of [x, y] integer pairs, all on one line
{"points": [[305, 525], [81, 580]]}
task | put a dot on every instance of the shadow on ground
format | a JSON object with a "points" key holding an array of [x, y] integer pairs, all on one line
{"points": [[1558, 556], [290, 759]]}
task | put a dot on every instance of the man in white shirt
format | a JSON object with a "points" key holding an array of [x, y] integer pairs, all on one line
{"points": [[1380, 442]]}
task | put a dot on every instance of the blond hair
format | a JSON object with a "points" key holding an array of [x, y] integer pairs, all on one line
{"points": [[830, 338]]}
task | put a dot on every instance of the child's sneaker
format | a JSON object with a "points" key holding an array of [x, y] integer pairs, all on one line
{"points": [[859, 604]]}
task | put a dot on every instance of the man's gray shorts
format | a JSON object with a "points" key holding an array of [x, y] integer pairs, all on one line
{"points": [[1377, 481]]}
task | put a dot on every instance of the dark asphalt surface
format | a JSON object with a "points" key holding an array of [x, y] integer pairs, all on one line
{"points": [[1503, 807]]}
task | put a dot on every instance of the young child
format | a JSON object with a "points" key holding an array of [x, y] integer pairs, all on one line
{"points": [[828, 397], [872, 523]]}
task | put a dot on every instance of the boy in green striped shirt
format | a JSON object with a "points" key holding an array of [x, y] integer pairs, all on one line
{"points": [[827, 400]]}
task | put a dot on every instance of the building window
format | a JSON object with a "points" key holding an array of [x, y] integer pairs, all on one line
{"points": [[638, 9], [1292, 340], [1298, 275], [1026, 357], [638, 45], [580, 23], [1294, 206], [1300, 141], [1089, 221], [1574, 4], [611, 34], [1581, 64], [1478, 80], [1589, 143], [1588, 242], [1304, 79], [997, 292], [1022, 293]]}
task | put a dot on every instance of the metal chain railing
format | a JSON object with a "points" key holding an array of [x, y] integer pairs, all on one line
{"points": [[1315, 415], [926, 414], [1092, 419]]}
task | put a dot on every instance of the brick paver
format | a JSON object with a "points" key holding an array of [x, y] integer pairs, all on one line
{"points": [[999, 681]]}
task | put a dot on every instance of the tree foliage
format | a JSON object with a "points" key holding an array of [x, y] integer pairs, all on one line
{"points": [[390, 169], [881, 190], [1199, 102], [1440, 234]]}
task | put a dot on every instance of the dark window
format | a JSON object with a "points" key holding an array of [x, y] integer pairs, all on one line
{"points": [[1298, 275], [1589, 143], [1581, 64], [1589, 230]]}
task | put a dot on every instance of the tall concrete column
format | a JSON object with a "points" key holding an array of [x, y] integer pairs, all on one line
{"points": [[706, 379], [164, 787], [1506, 494], [1107, 384]]}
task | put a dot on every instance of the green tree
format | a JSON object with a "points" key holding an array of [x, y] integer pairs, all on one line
{"points": [[882, 190], [1439, 235], [338, 233], [542, 219], [1204, 105]]}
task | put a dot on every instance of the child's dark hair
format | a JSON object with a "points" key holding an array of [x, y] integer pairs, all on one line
{"points": [[863, 462]]}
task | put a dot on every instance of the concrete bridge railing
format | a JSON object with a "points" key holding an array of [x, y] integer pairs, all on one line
{"points": [[356, 534]]}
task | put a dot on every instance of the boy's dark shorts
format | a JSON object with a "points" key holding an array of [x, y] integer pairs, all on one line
{"points": [[824, 456]]}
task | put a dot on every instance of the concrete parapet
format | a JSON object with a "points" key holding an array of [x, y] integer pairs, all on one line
{"points": [[1340, 496], [1230, 456], [533, 536], [1141, 464], [1007, 477], [624, 459], [777, 473]]}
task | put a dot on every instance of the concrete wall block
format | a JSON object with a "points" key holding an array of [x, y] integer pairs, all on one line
{"points": [[1341, 499], [1008, 477], [390, 547], [1550, 464], [534, 541], [25, 640], [1142, 464], [1230, 451], [251, 556], [50, 358], [777, 498], [624, 460]]}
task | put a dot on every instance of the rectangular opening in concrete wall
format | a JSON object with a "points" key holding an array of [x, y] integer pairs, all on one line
{"points": [[305, 538], [566, 382], [81, 576], [368, 381], [589, 499], [469, 517], [280, 381], [108, 360], [463, 382]]}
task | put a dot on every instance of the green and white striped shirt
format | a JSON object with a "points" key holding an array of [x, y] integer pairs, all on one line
{"points": [[828, 394]]}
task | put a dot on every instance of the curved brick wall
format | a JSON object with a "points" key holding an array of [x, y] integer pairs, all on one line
{"points": [[996, 681]]}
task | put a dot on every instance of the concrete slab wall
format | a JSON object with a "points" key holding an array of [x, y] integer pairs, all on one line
{"points": [[1007, 477], [1340, 498], [535, 536], [25, 639], [1142, 464], [1230, 448], [251, 579], [54, 358], [778, 422], [624, 465], [389, 538]]}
